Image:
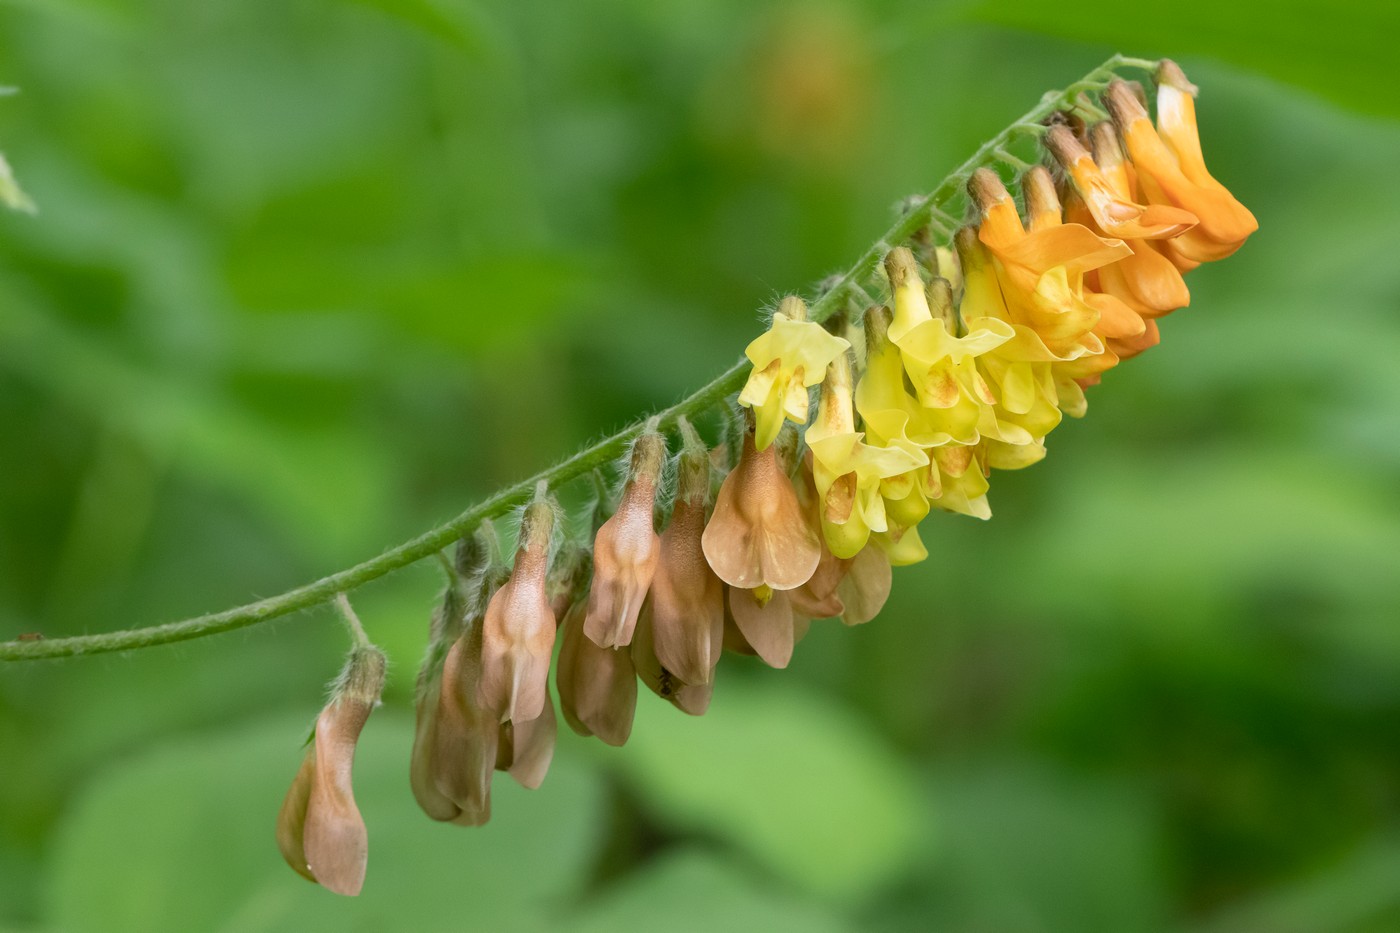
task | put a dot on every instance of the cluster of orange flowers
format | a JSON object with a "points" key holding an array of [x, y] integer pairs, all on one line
{"points": [[973, 361]]}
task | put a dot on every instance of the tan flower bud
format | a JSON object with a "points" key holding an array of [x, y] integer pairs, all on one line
{"points": [[687, 599], [626, 549], [464, 753], [817, 598], [525, 749], [757, 535], [693, 699], [319, 828], [766, 621], [865, 586], [597, 686], [518, 634]]}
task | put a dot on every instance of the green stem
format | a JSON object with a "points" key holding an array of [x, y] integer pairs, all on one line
{"points": [[605, 451], [352, 622]]}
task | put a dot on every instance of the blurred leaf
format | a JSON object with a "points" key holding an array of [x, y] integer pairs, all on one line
{"points": [[303, 478], [1030, 850], [182, 839], [786, 775], [11, 195], [457, 21], [1357, 895], [1350, 61], [698, 892]]}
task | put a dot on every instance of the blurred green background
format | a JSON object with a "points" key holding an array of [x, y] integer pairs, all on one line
{"points": [[311, 276]]}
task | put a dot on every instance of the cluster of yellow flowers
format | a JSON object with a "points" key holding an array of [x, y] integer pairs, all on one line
{"points": [[972, 362]]}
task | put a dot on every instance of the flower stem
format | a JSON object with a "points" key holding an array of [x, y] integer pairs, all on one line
{"points": [[921, 210], [352, 621]]}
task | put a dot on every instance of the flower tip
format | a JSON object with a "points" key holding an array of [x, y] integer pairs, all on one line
{"points": [[1123, 104], [900, 266], [986, 188], [793, 308], [1063, 145], [1170, 74]]}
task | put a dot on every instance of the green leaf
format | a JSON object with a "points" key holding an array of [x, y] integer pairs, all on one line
{"points": [[1030, 849], [182, 839], [797, 781]]}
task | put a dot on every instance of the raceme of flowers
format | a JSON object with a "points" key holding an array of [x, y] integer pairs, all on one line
{"points": [[971, 362]]}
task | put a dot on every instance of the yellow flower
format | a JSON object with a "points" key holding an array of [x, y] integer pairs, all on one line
{"points": [[790, 358], [958, 481], [1020, 370], [847, 470], [941, 365]]}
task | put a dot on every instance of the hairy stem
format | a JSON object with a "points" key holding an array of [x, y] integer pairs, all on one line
{"points": [[919, 213]]}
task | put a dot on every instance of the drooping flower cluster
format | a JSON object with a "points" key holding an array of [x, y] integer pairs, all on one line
{"points": [[972, 360]]}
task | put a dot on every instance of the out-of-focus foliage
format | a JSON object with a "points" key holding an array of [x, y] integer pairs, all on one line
{"points": [[309, 276]]}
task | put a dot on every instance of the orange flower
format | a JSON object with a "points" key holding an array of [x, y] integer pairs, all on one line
{"points": [[1171, 170], [1104, 190], [1042, 271]]}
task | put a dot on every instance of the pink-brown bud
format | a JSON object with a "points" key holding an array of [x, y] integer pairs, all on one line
{"points": [[518, 633], [626, 549], [525, 749], [319, 828], [865, 586], [687, 599], [597, 686], [465, 737], [693, 699], [766, 620]]}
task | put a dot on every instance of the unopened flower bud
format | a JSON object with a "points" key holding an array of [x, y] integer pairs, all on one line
{"points": [[466, 737], [625, 550], [689, 698], [766, 620], [518, 633], [687, 599], [865, 586], [597, 686], [319, 829], [525, 749]]}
